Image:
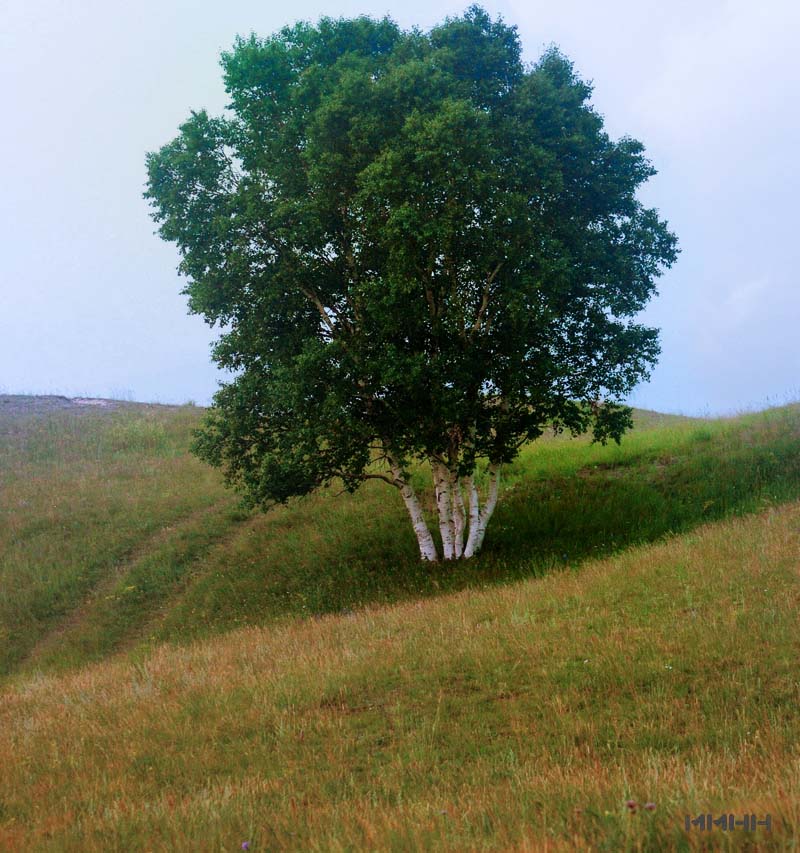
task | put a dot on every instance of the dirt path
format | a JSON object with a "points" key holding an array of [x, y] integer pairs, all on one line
{"points": [[73, 621]]}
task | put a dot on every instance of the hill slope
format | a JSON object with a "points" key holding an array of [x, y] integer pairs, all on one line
{"points": [[520, 717], [113, 538]]}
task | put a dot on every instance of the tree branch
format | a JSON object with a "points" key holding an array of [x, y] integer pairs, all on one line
{"points": [[323, 311], [373, 476], [385, 477], [317, 302], [484, 302]]}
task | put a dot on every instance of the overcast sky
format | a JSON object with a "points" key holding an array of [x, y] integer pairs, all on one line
{"points": [[90, 300]]}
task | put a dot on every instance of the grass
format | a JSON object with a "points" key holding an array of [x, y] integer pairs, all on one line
{"points": [[519, 717], [630, 632], [86, 500], [113, 538], [564, 501]]}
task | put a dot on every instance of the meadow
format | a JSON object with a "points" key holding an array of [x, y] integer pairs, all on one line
{"points": [[179, 673]]}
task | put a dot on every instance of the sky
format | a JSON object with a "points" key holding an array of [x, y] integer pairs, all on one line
{"points": [[90, 301]]}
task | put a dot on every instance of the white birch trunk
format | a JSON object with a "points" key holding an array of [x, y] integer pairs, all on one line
{"points": [[441, 481], [427, 547], [479, 518], [459, 516], [474, 515]]}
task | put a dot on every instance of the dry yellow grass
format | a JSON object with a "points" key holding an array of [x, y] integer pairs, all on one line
{"points": [[512, 718]]}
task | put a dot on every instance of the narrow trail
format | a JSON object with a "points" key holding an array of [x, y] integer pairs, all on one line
{"points": [[158, 616], [75, 619]]}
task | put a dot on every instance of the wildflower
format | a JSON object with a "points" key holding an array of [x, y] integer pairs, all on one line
{"points": [[631, 805], [651, 807], [245, 845]]}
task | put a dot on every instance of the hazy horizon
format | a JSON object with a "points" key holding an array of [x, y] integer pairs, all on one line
{"points": [[90, 301]]}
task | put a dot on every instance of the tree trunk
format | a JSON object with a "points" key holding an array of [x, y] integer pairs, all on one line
{"points": [[427, 547], [451, 510], [441, 482], [479, 518], [459, 516], [474, 515]]}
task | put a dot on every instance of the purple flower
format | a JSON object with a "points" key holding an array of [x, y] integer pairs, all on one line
{"points": [[245, 845], [631, 805], [651, 807]]}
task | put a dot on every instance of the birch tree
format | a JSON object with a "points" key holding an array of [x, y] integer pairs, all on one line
{"points": [[420, 253]]}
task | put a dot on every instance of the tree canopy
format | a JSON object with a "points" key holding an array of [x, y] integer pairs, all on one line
{"points": [[416, 247]]}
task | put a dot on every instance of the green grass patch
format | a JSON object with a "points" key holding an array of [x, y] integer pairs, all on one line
{"points": [[112, 536], [563, 501]]}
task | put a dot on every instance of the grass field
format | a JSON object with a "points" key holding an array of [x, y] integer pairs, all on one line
{"points": [[629, 633]]}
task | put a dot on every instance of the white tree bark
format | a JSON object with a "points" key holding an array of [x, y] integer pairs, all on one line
{"points": [[479, 518], [474, 515], [427, 547], [441, 481], [459, 516], [451, 510]]}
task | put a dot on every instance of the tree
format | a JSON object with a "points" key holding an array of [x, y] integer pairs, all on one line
{"points": [[417, 249]]}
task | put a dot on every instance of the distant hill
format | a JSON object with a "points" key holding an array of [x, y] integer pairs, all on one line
{"points": [[23, 405]]}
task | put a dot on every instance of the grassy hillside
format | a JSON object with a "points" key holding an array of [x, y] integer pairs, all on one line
{"points": [[629, 633], [520, 717], [113, 538]]}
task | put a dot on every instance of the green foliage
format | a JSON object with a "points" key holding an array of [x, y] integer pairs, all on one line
{"points": [[411, 241]]}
